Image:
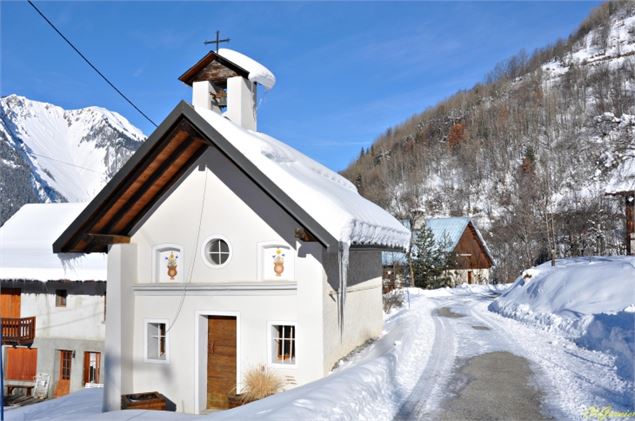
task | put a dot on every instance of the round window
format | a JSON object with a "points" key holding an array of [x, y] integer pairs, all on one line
{"points": [[217, 251]]}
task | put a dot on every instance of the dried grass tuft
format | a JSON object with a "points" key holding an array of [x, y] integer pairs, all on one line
{"points": [[260, 382]]}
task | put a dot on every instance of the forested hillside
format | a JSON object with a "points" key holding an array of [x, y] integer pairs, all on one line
{"points": [[527, 153]]}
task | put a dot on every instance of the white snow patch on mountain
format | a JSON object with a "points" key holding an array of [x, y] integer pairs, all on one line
{"points": [[72, 153]]}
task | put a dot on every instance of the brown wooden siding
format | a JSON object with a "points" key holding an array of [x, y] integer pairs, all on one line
{"points": [[470, 251], [21, 364], [10, 303]]}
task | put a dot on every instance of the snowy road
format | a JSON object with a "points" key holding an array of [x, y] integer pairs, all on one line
{"points": [[443, 357], [553, 377]]}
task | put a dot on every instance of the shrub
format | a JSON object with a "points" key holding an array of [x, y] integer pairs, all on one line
{"points": [[260, 382], [393, 299]]}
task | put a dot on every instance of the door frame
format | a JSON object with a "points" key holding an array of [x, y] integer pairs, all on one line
{"points": [[200, 356]]}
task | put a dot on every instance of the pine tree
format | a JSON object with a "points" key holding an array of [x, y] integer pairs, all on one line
{"points": [[430, 261]]}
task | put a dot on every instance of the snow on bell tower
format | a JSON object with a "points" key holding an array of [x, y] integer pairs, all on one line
{"points": [[226, 80]]}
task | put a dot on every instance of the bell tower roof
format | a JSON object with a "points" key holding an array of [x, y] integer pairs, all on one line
{"points": [[214, 68]]}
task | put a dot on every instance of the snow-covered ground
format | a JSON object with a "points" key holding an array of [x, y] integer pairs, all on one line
{"points": [[414, 366], [374, 382], [590, 300]]}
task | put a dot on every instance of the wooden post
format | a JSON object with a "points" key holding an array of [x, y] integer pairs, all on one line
{"points": [[629, 204]]}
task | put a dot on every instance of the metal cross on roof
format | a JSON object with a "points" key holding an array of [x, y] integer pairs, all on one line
{"points": [[217, 41]]}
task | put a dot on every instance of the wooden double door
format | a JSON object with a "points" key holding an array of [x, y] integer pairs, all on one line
{"points": [[221, 360]]}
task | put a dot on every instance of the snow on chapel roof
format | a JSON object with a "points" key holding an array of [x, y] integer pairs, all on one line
{"points": [[321, 200], [329, 198], [257, 72], [25, 246]]}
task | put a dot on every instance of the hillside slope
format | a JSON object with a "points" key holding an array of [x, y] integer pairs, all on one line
{"points": [[48, 154], [528, 153]]}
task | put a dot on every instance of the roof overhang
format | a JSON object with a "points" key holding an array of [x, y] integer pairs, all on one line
{"points": [[170, 151], [214, 68]]}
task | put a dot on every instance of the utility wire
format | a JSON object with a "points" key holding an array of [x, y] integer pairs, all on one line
{"points": [[89, 63], [64, 162]]}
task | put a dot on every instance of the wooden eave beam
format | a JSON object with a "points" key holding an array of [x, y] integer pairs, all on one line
{"points": [[163, 167], [121, 181], [109, 238], [176, 176]]}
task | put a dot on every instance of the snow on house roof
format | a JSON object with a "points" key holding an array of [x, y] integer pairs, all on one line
{"points": [[623, 179], [328, 197], [257, 72], [25, 246], [447, 230]]}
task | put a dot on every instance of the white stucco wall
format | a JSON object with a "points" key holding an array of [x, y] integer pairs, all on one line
{"points": [[225, 215], [237, 288], [236, 210], [82, 318], [363, 310]]}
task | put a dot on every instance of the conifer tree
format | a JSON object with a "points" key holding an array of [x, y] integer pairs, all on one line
{"points": [[430, 261]]}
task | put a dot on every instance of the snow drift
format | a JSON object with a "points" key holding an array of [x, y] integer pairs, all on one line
{"points": [[590, 300]]}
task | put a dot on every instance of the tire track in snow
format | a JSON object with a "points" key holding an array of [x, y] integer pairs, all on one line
{"points": [[440, 363]]}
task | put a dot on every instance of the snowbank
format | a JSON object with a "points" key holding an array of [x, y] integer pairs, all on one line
{"points": [[590, 300], [371, 385]]}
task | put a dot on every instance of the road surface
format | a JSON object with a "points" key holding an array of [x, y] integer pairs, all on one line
{"points": [[486, 367]]}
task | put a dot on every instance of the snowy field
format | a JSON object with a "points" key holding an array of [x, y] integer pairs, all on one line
{"points": [[554, 319]]}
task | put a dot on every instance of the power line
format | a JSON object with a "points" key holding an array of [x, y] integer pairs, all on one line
{"points": [[64, 162], [89, 63]]}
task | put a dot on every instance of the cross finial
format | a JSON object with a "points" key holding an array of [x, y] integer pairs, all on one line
{"points": [[217, 41]]}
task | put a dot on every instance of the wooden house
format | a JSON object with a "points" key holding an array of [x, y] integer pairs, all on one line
{"points": [[459, 236], [622, 185], [52, 306], [228, 249]]}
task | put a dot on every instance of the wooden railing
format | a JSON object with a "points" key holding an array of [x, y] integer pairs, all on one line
{"points": [[18, 331]]}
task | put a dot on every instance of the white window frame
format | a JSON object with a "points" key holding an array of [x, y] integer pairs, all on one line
{"points": [[206, 258], [155, 261], [146, 326], [270, 345]]}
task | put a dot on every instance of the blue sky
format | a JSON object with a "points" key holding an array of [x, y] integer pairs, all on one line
{"points": [[346, 71]]}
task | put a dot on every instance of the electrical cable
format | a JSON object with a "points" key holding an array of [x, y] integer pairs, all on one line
{"points": [[90, 64], [191, 272]]}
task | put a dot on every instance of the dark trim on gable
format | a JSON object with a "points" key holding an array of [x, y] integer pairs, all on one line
{"points": [[62, 245], [188, 76], [183, 114]]}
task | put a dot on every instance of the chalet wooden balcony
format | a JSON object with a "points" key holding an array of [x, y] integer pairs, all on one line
{"points": [[18, 331]]}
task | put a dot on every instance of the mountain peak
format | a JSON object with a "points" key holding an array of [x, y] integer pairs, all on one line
{"points": [[50, 154]]}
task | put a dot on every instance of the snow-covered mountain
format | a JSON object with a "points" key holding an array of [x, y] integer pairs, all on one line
{"points": [[529, 153], [48, 154]]}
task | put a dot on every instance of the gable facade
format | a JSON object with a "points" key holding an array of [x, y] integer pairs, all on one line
{"points": [[216, 200]]}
